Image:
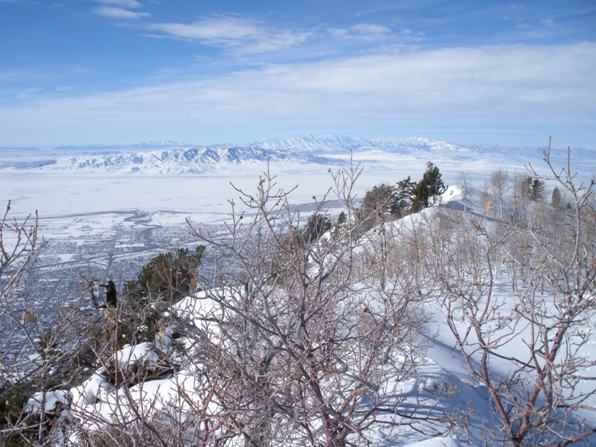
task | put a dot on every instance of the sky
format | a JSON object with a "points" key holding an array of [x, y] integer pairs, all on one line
{"points": [[77, 72]]}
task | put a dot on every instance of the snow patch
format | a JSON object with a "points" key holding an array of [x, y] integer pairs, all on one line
{"points": [[48, 399], [130, 356], [453, 193], [439, 441]]}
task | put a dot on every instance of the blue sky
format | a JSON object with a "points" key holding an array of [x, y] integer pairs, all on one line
{"points": [[125, 71]]}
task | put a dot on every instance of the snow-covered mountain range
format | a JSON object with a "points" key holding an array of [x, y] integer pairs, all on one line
{"points": [[180, 160], [339, 143], [171, 159]]}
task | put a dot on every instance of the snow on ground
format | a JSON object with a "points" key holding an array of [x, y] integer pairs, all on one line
{"points": [[438, 391], [130, 356], [435, 390], [49, 400], [453, 193], [94, 389], [441, 387], [77, 208], [58, 192], [438, 441]]}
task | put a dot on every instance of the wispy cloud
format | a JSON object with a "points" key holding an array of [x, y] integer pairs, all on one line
{"points": [[371, 32], [130, 4], [119, 13], [120, 9], [505, 85], [232, 33]]}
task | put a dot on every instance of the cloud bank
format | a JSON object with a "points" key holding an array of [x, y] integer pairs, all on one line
{"points": [[503, 84]]}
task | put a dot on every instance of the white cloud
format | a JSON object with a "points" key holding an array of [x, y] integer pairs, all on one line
{"points": [[362, 31], [218, 31], [369, 28], [236, 34], [513, 85], [119, 13], [339, 33], [130, 4]]}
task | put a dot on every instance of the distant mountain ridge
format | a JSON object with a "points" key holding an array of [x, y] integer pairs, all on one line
{"points": [[341, 144], [168, 159], [182, 160]]}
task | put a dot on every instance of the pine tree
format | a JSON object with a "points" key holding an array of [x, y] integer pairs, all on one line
{"points": [[555, 198], [405, 188], [378, 200], [430, 185], [434, 179], [537, 190], [402, 196], [167, 276]]}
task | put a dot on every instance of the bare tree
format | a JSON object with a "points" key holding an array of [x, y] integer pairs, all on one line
{"points": [[527, 347], [18, 246], [499, 181]]}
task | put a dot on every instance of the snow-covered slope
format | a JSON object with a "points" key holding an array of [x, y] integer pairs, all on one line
{"points": [[441, 384]]}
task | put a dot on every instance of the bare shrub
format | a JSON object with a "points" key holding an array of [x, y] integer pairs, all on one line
{"points": [[308, 348], [527, 345]]}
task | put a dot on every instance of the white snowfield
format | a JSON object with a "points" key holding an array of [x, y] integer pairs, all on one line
{"points": [[441, 383]]}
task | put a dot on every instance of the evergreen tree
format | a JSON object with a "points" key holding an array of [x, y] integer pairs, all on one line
{"points": [[341, 219], [405, 188], [430, 185], [537, 190], [378, 201], [434, 179], [168, 276], [555, 199]]}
